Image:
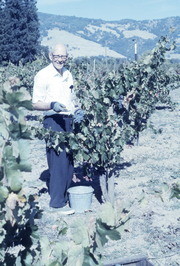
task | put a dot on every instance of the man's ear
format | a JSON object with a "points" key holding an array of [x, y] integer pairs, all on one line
{"points": [[50, 56]]}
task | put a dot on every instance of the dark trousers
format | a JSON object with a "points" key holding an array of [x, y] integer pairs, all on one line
{"points": [[60, 164]]}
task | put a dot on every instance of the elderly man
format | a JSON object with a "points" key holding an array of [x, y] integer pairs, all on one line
{"points": [[52, 92]]}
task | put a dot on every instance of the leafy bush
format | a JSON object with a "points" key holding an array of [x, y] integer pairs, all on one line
{"points": [[24, 73], [18, 211], [117, 106]]}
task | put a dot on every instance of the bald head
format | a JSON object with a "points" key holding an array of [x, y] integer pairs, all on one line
{"points": [[59, 49], [58, 56]]}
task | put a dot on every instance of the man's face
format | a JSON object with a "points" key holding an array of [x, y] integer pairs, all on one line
{"points": [[58, 57]]}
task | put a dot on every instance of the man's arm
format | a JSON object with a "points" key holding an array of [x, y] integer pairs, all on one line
{"points": [[42, 106], [55, 106]]}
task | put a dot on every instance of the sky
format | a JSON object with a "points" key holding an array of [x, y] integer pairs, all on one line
{"points": [[112, 9]]}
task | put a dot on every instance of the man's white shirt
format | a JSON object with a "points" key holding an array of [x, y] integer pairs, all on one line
{"points": [[51, 86]]}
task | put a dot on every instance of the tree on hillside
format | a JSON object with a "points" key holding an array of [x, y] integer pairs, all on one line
{"points": [[2, 30], [19, 31]]}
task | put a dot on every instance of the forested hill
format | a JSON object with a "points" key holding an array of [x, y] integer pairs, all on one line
{"points": [[94, 37]]}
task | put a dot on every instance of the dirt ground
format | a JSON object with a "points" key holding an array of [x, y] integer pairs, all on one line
{"points": [[148, 173]]}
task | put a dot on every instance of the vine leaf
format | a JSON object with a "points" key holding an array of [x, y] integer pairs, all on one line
{"points": [[104, 231]]}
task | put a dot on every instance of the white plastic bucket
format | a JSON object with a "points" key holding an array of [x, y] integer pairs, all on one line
{"points": [[80, 198]]}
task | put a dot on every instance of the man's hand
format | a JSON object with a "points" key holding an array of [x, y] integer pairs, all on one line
{"points": [[58, 107], [78, 115]]}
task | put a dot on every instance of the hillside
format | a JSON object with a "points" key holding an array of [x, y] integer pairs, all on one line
{"points": [[78, 46], [95, 37]]}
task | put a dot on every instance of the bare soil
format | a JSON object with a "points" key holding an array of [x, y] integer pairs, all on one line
{"points": [[145, 181]]}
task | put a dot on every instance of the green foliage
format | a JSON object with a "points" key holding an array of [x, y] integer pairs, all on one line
{"points": [[86, 240], [117, 106], [19, 31], [104, 232], [167, 192], [18, 211], [23, 74], [3, 193], [175, 191]]}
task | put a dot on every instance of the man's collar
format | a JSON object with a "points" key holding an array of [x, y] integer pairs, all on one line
{"points": [[56, 73]]}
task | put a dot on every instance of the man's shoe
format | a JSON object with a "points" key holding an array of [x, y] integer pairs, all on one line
{"points": [[66, 210]]}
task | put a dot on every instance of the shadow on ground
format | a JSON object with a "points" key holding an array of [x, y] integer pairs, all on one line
{"points": [[81, 179]]}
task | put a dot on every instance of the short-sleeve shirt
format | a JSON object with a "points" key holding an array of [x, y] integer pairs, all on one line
{"points": [[51, 86]]}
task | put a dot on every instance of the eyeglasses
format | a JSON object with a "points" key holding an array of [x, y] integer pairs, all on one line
{"points": [[59, 57]]}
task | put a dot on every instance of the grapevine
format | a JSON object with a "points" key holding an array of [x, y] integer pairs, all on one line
{"points": [[117, 105]]}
